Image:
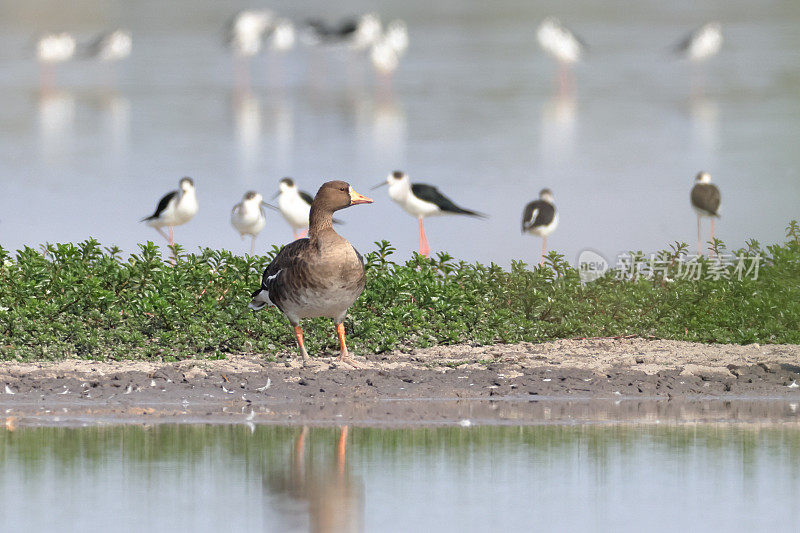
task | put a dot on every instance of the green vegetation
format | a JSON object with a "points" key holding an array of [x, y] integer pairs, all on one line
{"points": [[78, 300]]}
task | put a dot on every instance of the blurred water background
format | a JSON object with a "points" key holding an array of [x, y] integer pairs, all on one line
{"points": [[472, 109]]}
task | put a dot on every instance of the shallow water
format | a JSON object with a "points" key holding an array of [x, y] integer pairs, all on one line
{"points": [[472, 109], [566, 478]]}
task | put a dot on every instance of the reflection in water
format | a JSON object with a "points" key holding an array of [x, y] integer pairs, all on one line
{"points": [[500, 478], [333, 498], [387, 130], [56, 123], [557, 138], [705, 126], [117, 122], [281, 120], [247, 123]]}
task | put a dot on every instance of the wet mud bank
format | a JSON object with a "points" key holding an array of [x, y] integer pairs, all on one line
{"points": [[591, 380]]}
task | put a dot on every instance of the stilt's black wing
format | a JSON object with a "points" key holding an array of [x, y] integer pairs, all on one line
{"points": [[347, 27], [537, 213], [706, 197], [96, 45], [431, 194], [162, 205], [306, 197], [682, 46]]}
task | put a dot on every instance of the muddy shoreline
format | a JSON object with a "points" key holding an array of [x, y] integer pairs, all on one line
{"points": [[592, 380]]}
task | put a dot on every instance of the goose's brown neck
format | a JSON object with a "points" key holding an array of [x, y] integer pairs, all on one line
{"points": [[320, 219]]}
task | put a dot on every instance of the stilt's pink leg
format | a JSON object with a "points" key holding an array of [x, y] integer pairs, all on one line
{"points": [[171, 237], [562, 79], [424, 249], [47, 78], [570, 82], [303, 234], [699, 245], [710, 249], [252, 245], [544, 250], [161, 232], [241, 75]]}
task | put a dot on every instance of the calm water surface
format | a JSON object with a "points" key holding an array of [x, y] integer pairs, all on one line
{"points": [[472, 109], [231, 478]]}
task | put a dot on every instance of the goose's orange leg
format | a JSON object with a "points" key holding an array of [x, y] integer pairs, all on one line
{"points": [[344, 353], [298, 333], [341, 449]]}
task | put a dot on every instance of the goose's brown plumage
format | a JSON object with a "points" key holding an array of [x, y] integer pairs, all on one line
{"points": [[319, 276]]}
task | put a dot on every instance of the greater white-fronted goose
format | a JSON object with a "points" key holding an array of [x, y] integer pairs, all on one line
{"points": [[295, 206], [318, 276]]}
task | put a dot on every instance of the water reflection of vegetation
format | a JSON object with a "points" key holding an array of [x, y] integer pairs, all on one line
{"points": [[311, 479], [267, 446]]}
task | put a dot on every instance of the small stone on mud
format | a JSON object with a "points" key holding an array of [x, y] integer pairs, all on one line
{"points": [[194, 373]]}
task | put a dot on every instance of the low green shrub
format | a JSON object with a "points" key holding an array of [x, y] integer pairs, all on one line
{"points": [[80, 300]]}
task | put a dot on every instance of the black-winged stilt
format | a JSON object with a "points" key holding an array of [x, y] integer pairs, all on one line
{"points": [[565, 46], [706, 202], [175, 208], [421, 200], [248, 217], [540, 218]]}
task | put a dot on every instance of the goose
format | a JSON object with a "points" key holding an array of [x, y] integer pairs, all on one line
{"points": [[318, 276]]}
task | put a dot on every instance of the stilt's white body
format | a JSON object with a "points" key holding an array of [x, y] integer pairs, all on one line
{"points": [[400, 192], [397, 36], [248, 216], [705, 43], [55, 48], [558, 41], [544, 231], [293, 208], [247, 31], [282, 38], [703, 213], [180, 210], [367, 32], [114, 46], [384, 58]]}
